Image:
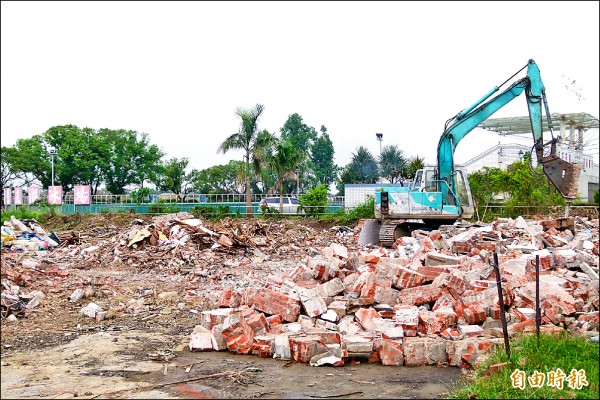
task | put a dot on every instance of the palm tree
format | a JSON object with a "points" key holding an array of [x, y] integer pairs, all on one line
{"points": [[284, 159], [251, 142], [392, 163], [414, 164]]}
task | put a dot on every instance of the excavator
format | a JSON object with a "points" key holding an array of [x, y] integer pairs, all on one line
{"points": [[440, 194]]}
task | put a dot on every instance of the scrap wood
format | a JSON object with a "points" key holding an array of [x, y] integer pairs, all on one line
{"points": [[232, 374], [327, 396]]}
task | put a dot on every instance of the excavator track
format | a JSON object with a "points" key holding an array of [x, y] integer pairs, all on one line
{"points": [[390, 232]]}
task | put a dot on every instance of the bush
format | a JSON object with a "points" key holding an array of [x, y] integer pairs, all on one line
{"points": [[314, 202], [162, 208], [365, 210], [270, 212], [139, 195], [210, 212]]}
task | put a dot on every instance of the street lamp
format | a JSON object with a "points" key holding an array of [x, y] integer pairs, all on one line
{"points": [[380, 138], [52, 152], [521, 155]]}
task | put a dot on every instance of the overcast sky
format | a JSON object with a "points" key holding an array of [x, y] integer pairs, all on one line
{"points": [[179, 70]]}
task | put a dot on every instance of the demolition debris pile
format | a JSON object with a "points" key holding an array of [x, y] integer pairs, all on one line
{"points": [[276, 290]]}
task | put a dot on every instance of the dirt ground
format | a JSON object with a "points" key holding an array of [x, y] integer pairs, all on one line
{"points": [[53, 351]]}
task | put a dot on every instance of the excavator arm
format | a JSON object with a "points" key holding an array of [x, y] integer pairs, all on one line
{"points": [[563, 175]]}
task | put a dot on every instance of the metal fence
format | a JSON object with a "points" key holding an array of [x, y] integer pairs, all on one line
{"points": [[232, 204]]}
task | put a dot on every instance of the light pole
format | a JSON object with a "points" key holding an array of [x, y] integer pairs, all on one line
{"points": [[380, 138], [52, 152]]}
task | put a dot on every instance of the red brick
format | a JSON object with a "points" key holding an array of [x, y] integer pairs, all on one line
{"points": [[424, 351], [210, 318], [272, 302], [408, 278], [474, 313], [450, 334], [273, 321], [303, 348], [326, 336], [263, 345], [365, 317], [433, 271], [238, 334], [391, 352], [229, 298], [462, 247], [467, 351], [248, 296], [258, 323], [420, 294]]}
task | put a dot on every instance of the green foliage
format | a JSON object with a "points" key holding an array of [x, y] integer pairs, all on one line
{"points": [[283, 158], [210, 212], [530, 355], [364, 210], [23, 212], [392, 163], [220, 179], [138, 196], [361, 169], [85, 156], [322, 168], [315, 201], [597, 197], [251, 141], [300, 134], [172, 177], [270, 212], [162, 207], [414, 164], [523, 189]]}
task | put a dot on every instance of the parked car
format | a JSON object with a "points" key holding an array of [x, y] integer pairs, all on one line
{"points": [[290, 204]]}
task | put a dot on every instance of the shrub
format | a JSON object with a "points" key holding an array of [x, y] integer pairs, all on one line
{"points": [[210, 212], [314, 202]]}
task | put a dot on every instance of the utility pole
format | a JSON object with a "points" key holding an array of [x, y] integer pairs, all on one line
{"points": [[380, 138]]}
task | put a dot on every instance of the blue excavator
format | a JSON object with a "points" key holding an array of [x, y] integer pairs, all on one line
{"points": [[440, 194]]}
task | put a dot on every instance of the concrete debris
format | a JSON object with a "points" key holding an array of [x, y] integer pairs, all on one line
{"points": [[283, 290], [431, 299]]}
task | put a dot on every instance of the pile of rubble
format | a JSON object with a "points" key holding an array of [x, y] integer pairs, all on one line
{"points": [[431, 299], [228, 253], [280, 289]]}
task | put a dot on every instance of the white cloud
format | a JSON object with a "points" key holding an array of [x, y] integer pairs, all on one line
{"points": [[178, 70]]}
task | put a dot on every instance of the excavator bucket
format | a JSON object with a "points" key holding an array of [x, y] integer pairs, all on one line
{"points": [[563, 175]]}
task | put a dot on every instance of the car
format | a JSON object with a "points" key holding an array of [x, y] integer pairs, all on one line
{"points": [[290, 204]]}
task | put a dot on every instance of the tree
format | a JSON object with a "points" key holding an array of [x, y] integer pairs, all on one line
{"points": [[415, 163], [30, 161], [251, 142], [10, 173], [131, 160], [321, 160], [221, 179], [284, 158], [364, 166], [82, 155], [361, 169], [298, 132], [172, 177], [302, 137], [392, 163]]}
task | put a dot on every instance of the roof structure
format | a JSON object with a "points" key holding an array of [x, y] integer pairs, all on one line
{"points": [[520, 125]]}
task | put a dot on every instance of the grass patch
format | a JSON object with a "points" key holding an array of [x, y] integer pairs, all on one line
{"points": [[530, 356], [365, 210]]}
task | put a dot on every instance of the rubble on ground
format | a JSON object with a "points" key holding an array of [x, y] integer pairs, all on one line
{"points": [[275, 289]]}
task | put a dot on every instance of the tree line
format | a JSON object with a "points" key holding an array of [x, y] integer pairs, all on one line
{"points": [[297, 159]]}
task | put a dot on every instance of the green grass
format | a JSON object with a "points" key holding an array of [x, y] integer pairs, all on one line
{"points": [[527, 354]]}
